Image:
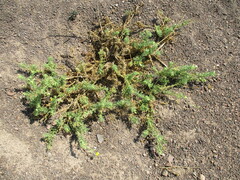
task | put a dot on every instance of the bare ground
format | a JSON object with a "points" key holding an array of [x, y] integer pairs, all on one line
{"points": [[202, 131]]}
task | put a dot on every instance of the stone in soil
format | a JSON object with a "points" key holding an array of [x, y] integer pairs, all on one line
{"points": [[100, 138]]}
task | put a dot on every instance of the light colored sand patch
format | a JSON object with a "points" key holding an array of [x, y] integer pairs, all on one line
{"points": [[15, 151]]}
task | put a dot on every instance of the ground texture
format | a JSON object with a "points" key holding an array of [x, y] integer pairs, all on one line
{"points": [[203, 132]]}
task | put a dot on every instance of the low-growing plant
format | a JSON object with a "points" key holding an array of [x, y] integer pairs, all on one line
{"points": [[121, 73]]}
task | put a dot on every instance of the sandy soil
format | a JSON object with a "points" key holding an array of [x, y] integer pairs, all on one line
{"points": [[202, 132]]}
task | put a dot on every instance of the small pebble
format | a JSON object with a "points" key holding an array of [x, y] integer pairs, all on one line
{"points": [[195, 174], [163, 153], [168, 165], [165, 173], [214, 151], [100, 138], [48, 126], [202, 177], [170, 159]]}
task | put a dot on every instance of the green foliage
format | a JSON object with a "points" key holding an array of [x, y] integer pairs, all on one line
{"points": [[121, 73]]}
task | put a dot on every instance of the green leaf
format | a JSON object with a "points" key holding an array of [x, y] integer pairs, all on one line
{"points": [[84, 100], [159, 31], [66, 128], [126, 32], [134, 119], [115, 67], [146, 35], [168, 30], [127, 40], [116, 33], [101, 118], [145, 133]]}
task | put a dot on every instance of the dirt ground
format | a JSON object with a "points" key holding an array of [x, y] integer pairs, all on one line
{"points": [[203, 132]]}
